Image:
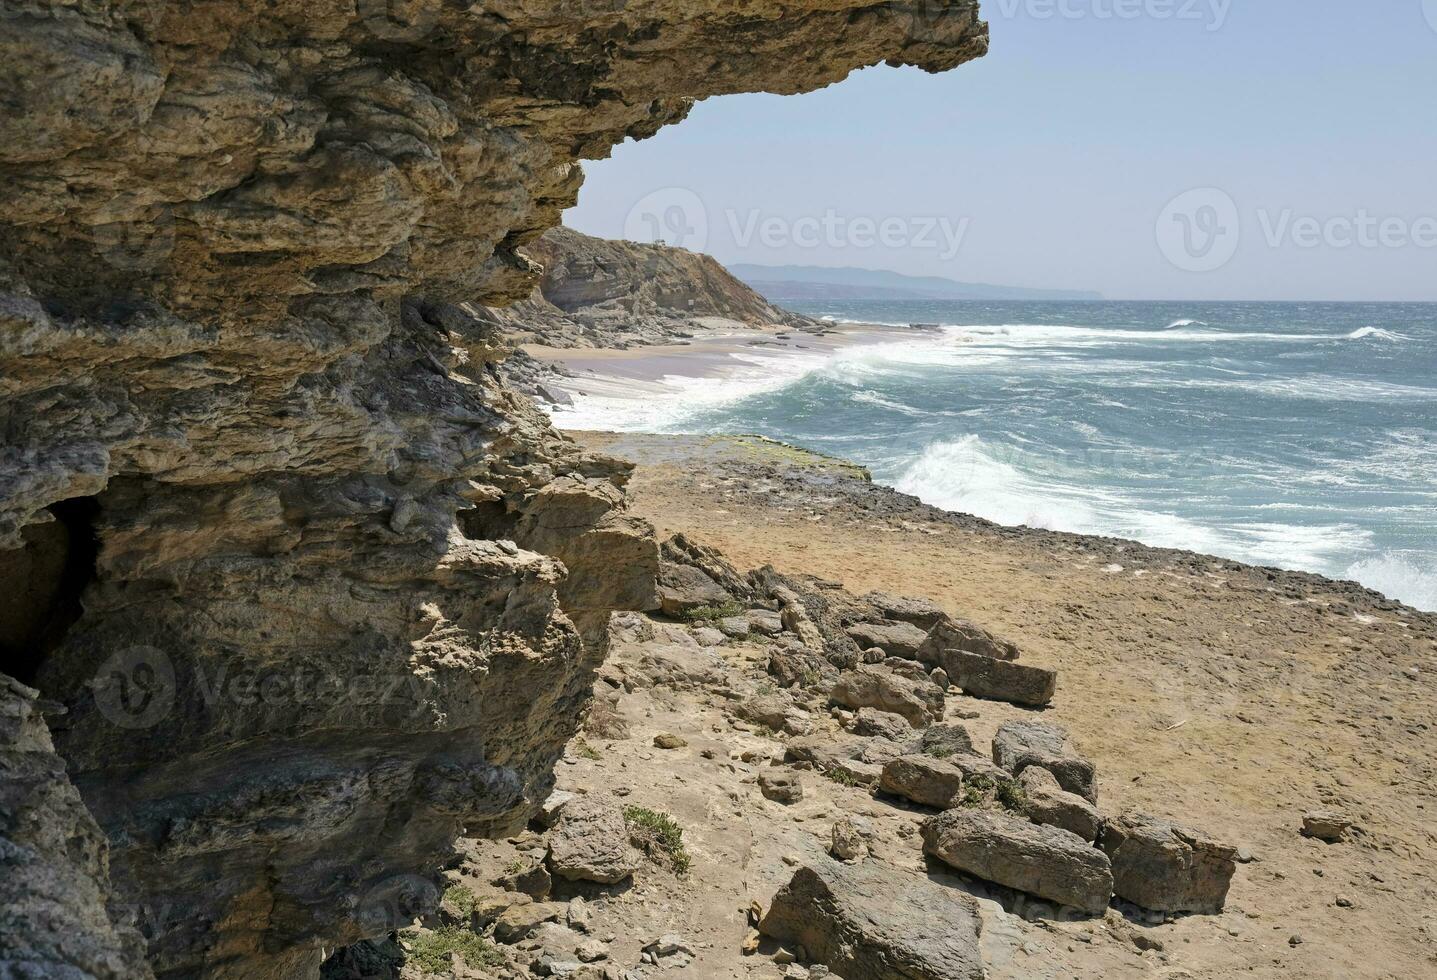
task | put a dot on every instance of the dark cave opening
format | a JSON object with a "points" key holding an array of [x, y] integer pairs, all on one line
{"points": [[41, 584]]}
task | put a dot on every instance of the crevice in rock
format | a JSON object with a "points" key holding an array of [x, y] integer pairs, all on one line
{"points": [[41, 584]]}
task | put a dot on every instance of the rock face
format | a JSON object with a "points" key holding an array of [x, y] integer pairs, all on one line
{"points": [[53, 862], [870, 922], [1042, 861], [334, 592], [1166, 867], [1000, 680], [1046, 802], [875, 687]]}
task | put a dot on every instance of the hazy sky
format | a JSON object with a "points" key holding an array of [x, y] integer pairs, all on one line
{"points": [[1184, 149]]}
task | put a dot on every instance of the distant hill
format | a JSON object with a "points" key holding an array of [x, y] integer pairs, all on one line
{"points": [[799, 283]]}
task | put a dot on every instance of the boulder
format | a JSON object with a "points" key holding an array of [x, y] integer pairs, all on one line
{"points": [[1020, 744], [765, 622], [961, 636], [1000, 680], [874, 687], [791, 666], [941, 741], [591, 843], [684, 588], [679, 550], [872, 922], [781, 787], [829, 755], [1166, 867], [922, 613], [1043, 861], [923, 780], [518, 921], [881, 724], [776, 711], [894, 639], [1045, 802]]}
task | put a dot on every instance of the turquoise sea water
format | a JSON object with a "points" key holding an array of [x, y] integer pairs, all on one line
{"points": [[1297, 435]]}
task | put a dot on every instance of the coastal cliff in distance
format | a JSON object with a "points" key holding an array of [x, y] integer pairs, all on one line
{"points": [[320, 591], [595, 292]]}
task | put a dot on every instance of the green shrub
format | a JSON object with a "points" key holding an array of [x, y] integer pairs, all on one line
{"points": [[704, 614], [461, 898], [841, 776], [659, 836], [584, 750], [430, 951]]}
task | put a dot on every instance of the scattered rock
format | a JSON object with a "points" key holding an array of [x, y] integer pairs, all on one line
{"points": [[1043, 861], [668, 740], [781, 787], [684, 588], [871, 922], [896, 639], [924, 780], [829, 755], [800, 666], [922, 613], [874, 687], [881, 724], [552, 807], [1020, 744], [1165, 867], [776, 711], [961, 636], [765, 622], [1001, 680], [1326, 825], [518, 921], [533, 881], [591, 843], [734, 627], [1045, 802], [945, 740]]}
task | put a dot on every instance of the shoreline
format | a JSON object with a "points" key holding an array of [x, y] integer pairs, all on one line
{"points": [[625, 391]]}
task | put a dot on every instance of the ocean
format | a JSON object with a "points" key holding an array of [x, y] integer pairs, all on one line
{"points": [[1296, 435]]}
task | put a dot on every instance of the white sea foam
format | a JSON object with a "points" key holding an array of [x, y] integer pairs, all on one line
{"points": [[1376, 333], [1186, 323], [1398, 577]]}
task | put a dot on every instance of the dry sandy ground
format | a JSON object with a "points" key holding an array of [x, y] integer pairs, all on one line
{"points": [[1228, 697]]}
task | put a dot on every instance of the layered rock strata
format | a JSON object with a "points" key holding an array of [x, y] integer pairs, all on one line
{"points": [[318, 591]]}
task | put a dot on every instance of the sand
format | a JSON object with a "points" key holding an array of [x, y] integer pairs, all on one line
{"points": [[1232, 698]]}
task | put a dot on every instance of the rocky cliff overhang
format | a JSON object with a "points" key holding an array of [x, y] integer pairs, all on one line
{"points": [[316, 590]]}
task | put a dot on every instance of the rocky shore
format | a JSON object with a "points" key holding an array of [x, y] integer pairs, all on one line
{"points": [[787, 773]]}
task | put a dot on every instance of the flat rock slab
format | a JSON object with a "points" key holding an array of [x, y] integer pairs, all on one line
{"points": [[894, 639], [1020, 744], [1000, 680], [1029, 857], [873, 922], [684, 588], [1166, 867], [961, 636]]}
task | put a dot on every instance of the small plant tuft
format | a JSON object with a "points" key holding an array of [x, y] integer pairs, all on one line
{"points": [[461, 898], [1012, 797], [659, 836], [584, 750], [432, 951], [707, 614], [841, 776]]}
